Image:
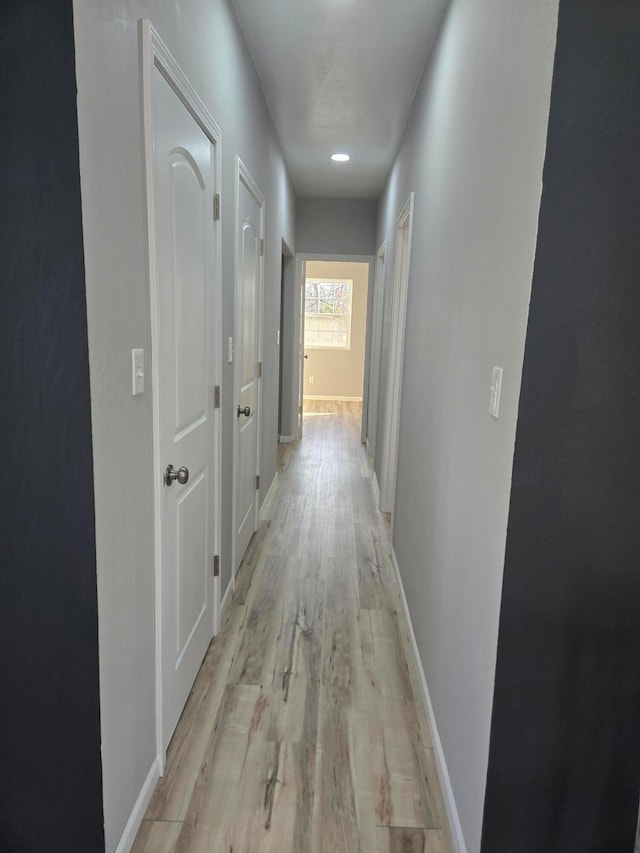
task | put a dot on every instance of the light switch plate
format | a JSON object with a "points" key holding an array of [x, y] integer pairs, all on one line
{"points": [[229, 350], [137, 371], [494, 391]]}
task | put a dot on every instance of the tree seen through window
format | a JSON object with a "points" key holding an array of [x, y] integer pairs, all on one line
{"points": [[327, 313]]}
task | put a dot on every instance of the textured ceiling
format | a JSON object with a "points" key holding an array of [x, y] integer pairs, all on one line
{"points": [[339, 75]]}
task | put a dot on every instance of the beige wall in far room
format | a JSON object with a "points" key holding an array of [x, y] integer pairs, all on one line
{"points": [[340, 373]]}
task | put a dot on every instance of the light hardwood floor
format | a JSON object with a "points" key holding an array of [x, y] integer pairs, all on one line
{"points": [[305, 731]]}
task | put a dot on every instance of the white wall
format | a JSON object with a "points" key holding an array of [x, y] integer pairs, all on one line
{"points": [[473, 154], [205, 39], [335, 371], [336, 226]]}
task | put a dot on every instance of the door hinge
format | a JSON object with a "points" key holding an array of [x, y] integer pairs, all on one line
{"points": [[299, 410], [216, 566], [216, 206], [257, 482], [262, 247], [259, 370], [216, 397]]}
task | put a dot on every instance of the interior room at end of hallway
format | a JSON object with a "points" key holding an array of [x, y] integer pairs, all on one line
{"points": [[334, 364]]}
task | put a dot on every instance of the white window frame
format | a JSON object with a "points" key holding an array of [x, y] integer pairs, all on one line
{"points": [[318, 280]]}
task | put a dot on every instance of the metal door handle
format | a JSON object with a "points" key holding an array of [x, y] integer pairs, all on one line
{"points": [[246, 411], [181, 475]]}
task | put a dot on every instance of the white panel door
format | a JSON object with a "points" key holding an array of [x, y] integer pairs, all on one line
{"points": [[183, 185], [248, 305]]}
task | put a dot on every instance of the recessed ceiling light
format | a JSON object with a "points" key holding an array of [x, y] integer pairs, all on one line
{"points": [[340, 158]]}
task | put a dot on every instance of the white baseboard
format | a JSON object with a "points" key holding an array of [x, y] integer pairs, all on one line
{"points": [[135, 818], [287, 439], [333, 397], [443, 773], [266, 503]]}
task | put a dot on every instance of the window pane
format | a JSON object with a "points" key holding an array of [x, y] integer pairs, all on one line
{"points": [[328, 313]]}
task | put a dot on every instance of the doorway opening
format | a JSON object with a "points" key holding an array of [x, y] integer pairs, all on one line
{"points": [[330, 303], [334, 326]]}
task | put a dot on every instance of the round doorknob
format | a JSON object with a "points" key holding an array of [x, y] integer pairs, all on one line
{"points": [[246, 411], [181, 475], [306, 356]]}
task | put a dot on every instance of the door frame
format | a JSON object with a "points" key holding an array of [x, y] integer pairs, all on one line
{"points": [[374, 330], [156, 54], [285, 325], [300, 355], [243, 175], [402, 252], [298, 333]]}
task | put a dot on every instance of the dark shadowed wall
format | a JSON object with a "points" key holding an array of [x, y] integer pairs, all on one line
{"points": [[50, 780], [564, 762]]}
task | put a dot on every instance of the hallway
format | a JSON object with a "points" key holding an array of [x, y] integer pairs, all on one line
{"points": [[303, 731]]}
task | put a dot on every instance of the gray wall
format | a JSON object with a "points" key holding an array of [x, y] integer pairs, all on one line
{"points": [[335, 226], [473, 154], [206, 41]]}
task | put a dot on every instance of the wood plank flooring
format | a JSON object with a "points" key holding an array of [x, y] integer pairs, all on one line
{"points": [[305, 731]]}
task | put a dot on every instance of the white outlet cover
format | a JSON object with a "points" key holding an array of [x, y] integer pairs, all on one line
{"points": [[494, 392]]}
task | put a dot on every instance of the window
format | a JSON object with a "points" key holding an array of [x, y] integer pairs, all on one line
{"points": [[327, 313]]}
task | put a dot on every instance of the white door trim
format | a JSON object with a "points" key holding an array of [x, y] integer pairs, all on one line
{"points": [[155, 53], [301, 260], [379, 290], [244, 176], [299, 353], [372, 344], [396, 356], [366, 373]]}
